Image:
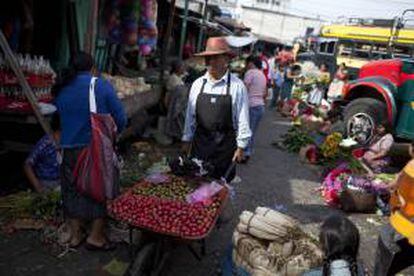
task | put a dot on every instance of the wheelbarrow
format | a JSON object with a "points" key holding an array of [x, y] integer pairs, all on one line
{"points": [[156, 246]]}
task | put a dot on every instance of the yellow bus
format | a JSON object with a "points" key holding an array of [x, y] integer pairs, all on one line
{"points": [[359, 41]]}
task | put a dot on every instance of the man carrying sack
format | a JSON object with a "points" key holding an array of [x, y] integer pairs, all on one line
{"points": [[217, 119]]}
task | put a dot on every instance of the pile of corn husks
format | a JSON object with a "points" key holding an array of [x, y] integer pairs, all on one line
{"points": [[270, 243]]}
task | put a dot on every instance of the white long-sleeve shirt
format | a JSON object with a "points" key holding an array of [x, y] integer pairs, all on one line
{"points": [[240, 108]]}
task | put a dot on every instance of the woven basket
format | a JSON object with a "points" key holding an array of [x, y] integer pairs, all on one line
{"points": [[357, 201]]}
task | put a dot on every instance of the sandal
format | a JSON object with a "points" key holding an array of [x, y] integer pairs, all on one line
{"points": [[79, 243], [82, 238], [107, 246]]}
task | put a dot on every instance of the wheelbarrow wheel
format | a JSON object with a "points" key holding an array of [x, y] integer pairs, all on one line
{"points": [[143, 264]]}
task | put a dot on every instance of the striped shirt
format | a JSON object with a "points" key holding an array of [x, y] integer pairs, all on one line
{"points": [[240, 106]]}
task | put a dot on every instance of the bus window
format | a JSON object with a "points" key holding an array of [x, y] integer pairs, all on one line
{"points": [[331, 48], [313, 47], [345, 49], [402, 51], [327, 48], [362, 50], [322, 48], [379, 52]]}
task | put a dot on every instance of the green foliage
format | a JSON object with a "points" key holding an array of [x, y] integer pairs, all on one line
{"points": [[29, 204], [295, 138]]}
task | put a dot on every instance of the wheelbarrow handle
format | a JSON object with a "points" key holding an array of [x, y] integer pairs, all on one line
{"points": [[230, 169]]}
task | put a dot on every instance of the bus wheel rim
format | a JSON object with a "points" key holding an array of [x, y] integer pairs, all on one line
{"points": [[361, 127]]}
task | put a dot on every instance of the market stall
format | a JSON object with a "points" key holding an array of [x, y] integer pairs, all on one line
{"points": [[350, 180], [129, 25], [130, 60], [134, 93], [41, 49], [39, 75], [24, 120], [26, 93]]}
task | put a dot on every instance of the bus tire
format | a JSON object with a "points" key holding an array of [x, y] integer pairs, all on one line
{"points": [[362, 116]]}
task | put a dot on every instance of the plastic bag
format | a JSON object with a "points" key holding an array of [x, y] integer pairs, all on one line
{"points": [[204, 193], [97, 169], [157, 178]]}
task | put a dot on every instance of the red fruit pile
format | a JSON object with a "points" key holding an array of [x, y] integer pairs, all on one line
{"points": [[163, 215]]}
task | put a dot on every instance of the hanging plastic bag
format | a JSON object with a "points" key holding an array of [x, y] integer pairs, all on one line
{"points": [[97, 169]]}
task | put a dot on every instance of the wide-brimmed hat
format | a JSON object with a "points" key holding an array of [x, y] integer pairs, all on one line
{"points": [[215, 46]]}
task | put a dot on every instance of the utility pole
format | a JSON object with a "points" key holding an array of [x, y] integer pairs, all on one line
{"points": [[184, 29]]}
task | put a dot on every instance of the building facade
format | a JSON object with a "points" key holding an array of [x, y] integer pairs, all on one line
{"points": [[268, 19]]}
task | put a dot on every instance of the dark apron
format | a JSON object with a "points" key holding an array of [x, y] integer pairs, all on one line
{"points": [[394, 253], [215, 137]]}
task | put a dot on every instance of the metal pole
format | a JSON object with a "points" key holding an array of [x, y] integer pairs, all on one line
{"points": [[167, 39], [27, 90], [200, 35], [94, 27], [183, 28]]}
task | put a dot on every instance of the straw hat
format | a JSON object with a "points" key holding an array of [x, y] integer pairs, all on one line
{"points": [[215, 46]]}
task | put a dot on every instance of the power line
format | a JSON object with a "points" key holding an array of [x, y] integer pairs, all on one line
{"points": [[312, 8], [326, 4], [305, 12], [351, 7], [397, 2]]}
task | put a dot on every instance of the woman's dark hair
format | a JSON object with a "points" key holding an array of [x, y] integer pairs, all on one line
{"points": [[55, 122], [255, 60], [82, 62], [386, 127], [176, 65], [296, 67], [339, 239], [79, 62]]}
